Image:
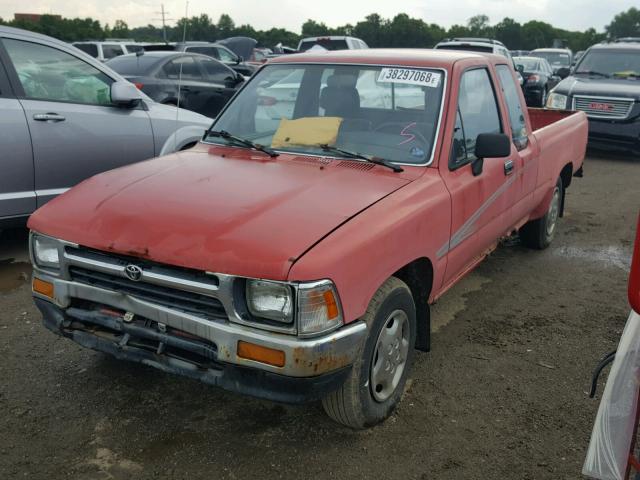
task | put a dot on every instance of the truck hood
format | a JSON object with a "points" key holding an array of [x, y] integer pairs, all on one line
{"points": [[218, 209], [599, 87]]}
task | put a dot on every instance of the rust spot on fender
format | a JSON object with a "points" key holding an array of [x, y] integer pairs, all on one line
{"points": [[325, 362]]}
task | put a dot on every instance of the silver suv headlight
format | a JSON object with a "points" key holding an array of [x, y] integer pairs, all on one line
{"points": [[557, 101], [45, 251]]}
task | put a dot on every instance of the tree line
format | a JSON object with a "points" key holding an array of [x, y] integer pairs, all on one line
{"points": [[400, 31]]}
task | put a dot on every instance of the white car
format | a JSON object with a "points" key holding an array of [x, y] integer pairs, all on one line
{"points": [[334, 42], [485, 45], [104, 51]]}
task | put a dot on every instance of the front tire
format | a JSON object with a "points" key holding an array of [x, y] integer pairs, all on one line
{"points": [[539, 233], [376, 381]]}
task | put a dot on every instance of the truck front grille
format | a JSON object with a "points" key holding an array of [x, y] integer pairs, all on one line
{"points": [[185, 290], [188, 302], [603, 107]]}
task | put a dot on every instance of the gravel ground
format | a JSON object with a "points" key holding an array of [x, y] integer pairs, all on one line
{"points": [[501, 395]]}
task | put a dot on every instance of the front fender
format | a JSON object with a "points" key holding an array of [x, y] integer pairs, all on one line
{"points": [[413, 222], [180, 138]]}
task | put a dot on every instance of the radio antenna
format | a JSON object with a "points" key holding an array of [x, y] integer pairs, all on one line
{"points": [[184, 39]]}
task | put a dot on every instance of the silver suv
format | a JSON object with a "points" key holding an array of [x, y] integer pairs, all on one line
{"points": [[65, 116]]}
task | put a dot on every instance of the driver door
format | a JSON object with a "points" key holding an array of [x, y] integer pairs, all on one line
{"points": [[75, 130]]}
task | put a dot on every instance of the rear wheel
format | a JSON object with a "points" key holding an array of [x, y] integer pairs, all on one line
{"points": [[376, 382], [539, 233]]}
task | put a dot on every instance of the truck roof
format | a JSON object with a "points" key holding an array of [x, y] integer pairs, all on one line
{"points": [[389, 56]]}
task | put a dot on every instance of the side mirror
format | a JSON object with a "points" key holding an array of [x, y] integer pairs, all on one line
{"points": [[520, 68], [563, 72], [239, 59], [489, 145], [124, 94], [634, 277]]}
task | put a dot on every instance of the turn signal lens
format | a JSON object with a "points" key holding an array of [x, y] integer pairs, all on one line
{"points": [[42, 287], [258, 353], [318, 308]]}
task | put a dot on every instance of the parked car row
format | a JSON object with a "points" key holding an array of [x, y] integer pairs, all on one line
{"points": [[66, 116]]}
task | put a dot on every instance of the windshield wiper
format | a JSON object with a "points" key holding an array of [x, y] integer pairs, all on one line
{"points": [[243, 141], [360, 156], [593, 72]]}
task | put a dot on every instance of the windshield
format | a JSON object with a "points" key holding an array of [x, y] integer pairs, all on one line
{"points": [[387, 112], [554, 58], [326, 43], [529, 64], [610, 62]]}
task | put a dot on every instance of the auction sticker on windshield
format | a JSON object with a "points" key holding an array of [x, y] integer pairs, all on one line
{"points": [[410, 76]]}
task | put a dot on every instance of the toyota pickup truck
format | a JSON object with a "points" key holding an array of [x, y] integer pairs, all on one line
{"points": [[294, 252]]}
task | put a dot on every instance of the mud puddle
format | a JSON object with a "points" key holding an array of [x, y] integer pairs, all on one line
{"points": [[13, 274], [608, 256], [455, 300]]}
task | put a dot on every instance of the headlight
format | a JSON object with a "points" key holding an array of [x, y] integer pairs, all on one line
{"points": [[45, 251], [270, 300], [557, 101], [318, 308]]}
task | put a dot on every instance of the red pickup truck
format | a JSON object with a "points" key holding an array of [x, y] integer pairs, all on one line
{"points": [[293, 254]]}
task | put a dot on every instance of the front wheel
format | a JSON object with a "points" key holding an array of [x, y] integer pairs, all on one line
{"points": [[376, 382], [539, 233]]}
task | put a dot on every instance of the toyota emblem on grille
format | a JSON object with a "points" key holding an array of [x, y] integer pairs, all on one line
{"points": [[133, 272]]}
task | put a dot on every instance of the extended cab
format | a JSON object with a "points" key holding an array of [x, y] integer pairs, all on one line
{"points": [[293, 254]]}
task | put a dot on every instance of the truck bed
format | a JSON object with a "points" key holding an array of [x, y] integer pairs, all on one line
{"points": [[541, 117]]}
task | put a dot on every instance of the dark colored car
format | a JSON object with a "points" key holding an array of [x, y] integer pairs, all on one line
{"points": [[539, 79], [206, 85], [557, 57], [605, 84], [220, 53]]}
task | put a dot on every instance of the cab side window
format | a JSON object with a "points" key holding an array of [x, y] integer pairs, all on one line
{"points": [[477, 113], [516, 115], [46, 73]]}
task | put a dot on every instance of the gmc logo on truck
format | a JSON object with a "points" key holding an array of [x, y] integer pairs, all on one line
{"points": [[603, 107]]}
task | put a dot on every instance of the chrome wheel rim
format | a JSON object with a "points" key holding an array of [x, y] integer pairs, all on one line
{"points": [[389, 356], [554, 211]]}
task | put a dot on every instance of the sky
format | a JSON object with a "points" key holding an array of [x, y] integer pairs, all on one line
{"points": [[290, 14]]}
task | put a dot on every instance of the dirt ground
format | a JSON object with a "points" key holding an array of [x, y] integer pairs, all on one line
{"points": [[502, 394]]}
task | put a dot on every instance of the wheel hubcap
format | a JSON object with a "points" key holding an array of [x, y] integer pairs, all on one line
{"points": [[554, 211], [389, 356]]}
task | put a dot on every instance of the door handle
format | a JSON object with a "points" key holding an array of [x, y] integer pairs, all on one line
{"points": [[508, 167], [48, 117]]}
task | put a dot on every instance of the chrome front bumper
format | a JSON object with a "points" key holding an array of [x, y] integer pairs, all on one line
{"points": [[303, 357]]}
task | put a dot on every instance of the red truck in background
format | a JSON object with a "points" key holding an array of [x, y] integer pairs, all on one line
{"points": [[294, 252]]}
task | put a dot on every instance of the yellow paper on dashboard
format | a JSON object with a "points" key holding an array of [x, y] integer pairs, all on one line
{"points": [[311, 131]]}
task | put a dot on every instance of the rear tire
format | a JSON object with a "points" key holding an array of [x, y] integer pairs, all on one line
{"points": [[539, 234], [377, 379]]}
